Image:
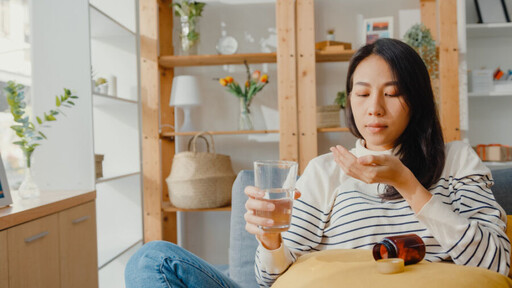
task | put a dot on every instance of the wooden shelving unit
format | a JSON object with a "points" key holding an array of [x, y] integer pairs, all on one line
{"points": [[209, 60], [333, 129], [168, 207], [171, 61], [324, 56], [239, 132]]}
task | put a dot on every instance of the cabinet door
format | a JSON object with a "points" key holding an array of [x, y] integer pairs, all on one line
{"points": [[4, 272], [34, 253], [78, 251]]}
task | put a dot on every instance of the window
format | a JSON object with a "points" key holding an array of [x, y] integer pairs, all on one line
{"points": [[15, 65]]}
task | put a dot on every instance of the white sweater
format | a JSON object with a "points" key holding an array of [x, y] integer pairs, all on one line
{"points": [[462, 222]]}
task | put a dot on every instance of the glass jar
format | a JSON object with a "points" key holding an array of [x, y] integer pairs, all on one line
{"points": [[189, 35], [409, 247]]}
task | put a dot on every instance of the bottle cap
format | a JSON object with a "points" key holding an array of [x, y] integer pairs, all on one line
{"points": [[390, 265]]}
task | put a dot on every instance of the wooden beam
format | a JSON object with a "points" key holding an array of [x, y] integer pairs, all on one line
{"points": [[429, 16], [152, 180], [165, 24], [287, 80], [306, 82], [170, 61], [449, 70]]}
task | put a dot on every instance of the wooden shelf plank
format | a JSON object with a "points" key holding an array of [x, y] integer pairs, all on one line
{"points": [[205, 60], [489, 30], [101, 180], [333, 129], [237, 132], [324, 56], [115, 98], [167, 207]]}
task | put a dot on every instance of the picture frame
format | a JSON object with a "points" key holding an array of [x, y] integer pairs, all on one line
{"points": [[5, 193], [491, 11], [376, 28]]}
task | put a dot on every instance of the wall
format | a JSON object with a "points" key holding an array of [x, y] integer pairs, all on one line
{"points": [[61, 58], [251, 25]]}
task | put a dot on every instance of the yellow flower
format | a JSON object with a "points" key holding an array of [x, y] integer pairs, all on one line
{"points": [[256, 75], [229, 79], [223, 82], [264, 78], [246, 83]]}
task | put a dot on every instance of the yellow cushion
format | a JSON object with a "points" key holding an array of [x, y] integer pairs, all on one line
{"points": [[509, 234], [356, 268]]}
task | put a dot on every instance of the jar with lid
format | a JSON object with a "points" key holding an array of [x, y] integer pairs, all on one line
{"points": [[409, 247]]}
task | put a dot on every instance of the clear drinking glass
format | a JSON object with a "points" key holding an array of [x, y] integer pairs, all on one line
{"points": [[277, 179]]}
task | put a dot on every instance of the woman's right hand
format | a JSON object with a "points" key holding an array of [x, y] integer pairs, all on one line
{"points": [[270, 240]]}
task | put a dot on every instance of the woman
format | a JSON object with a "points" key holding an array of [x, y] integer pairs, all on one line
{"points": [[399, 179]]}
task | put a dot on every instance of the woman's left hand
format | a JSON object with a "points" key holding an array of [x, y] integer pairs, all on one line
{"points": [[385, 169]]}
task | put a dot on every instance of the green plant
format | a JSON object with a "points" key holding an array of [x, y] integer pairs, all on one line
{"points": [[341, 99], [191, 10], [100, 81], [26, 130], [420, 38]]}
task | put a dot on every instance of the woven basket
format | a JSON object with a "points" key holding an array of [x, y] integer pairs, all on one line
{"points": [[328, 116], [200, 179]]}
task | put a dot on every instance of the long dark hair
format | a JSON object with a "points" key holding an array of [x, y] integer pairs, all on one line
{"points": [[421, 145]]}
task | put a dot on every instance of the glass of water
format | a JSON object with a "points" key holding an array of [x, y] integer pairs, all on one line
{"points": [[277, 179]]}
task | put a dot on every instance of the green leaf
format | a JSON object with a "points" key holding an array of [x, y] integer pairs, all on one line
{"points": [[42, 134], [49, 117], [193, 35], [17, 128], [21, 143], [71, 102], [57, 101], [39, 120], [73, 97]]}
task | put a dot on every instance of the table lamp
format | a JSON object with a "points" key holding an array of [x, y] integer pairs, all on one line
{"points": [[185, 94]]}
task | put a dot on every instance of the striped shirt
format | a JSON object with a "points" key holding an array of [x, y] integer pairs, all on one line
{"points": [[461, 223]]}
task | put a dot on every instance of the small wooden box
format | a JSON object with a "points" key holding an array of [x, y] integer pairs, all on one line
{"points": [[494, 152], [328, 116], [332, 46]]}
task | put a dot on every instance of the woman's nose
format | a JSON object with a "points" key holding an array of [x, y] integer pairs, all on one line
{"points": [[376, 105]]}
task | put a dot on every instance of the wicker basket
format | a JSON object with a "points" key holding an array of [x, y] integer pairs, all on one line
{"points": [[328, 116], [200, 179]]}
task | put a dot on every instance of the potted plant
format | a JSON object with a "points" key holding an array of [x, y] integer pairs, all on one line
{"points": [[420, 38], [101, 85], [189, 13], [29, 132]]}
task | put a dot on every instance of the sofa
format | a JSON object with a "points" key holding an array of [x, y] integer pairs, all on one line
{"points": [[243, 245]]}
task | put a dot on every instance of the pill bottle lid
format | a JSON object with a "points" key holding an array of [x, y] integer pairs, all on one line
{"points": [[390, 265]]}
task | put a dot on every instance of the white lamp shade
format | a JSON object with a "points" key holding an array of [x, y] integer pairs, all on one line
{"points": [[185, 91]]}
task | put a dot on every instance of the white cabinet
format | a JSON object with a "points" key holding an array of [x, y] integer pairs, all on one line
{"points": [[114, 56], [489, 115]]}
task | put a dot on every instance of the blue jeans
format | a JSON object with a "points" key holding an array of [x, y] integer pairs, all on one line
{"points": [[160, 264]]}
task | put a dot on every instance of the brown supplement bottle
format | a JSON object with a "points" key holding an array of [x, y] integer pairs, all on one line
{"points": [[409, 247]]}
